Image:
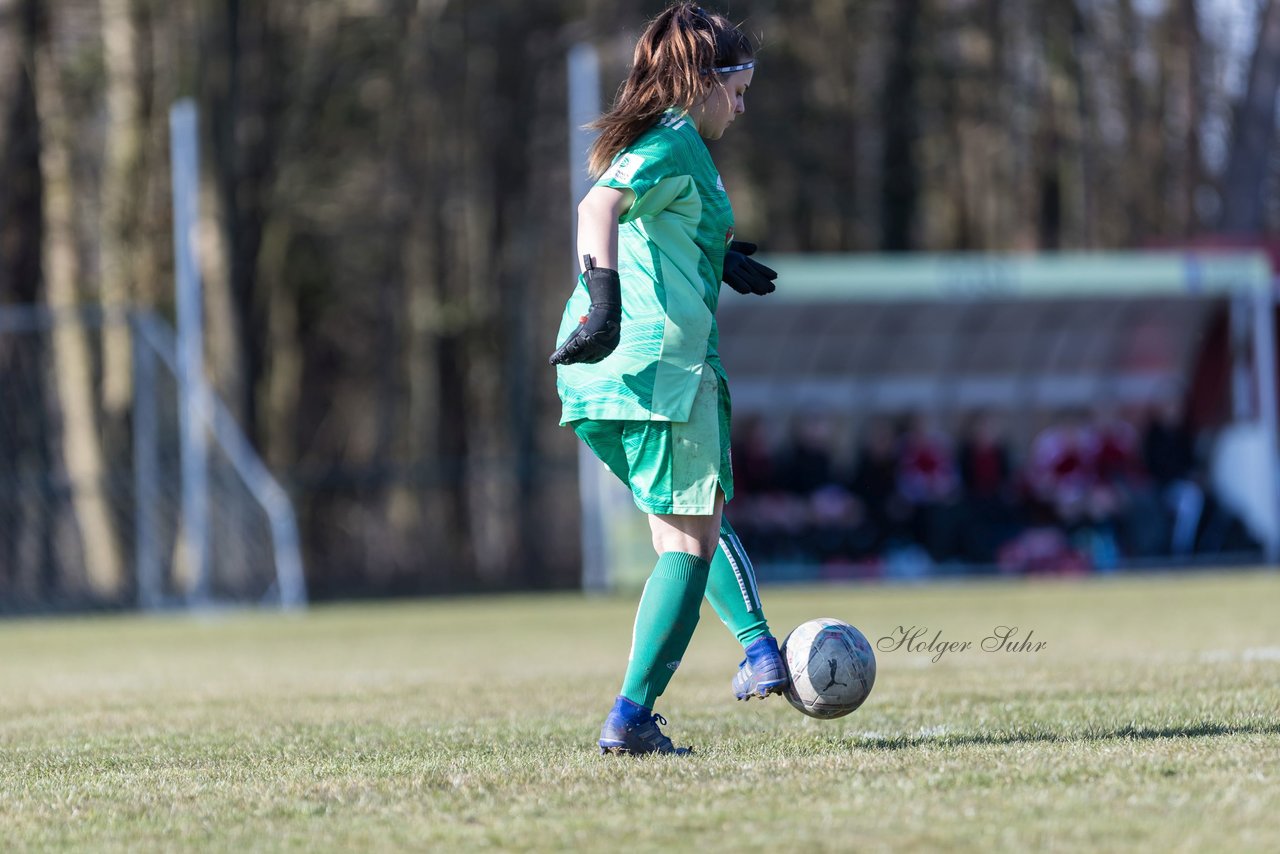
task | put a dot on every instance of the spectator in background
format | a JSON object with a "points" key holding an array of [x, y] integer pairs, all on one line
{"points": [[767, 520], [1168, 446], [1168, 449], [832, 516], [1063, 477], [1057, 473], [986, 474], [985, 469], [1207, 520], [1117, 448], [1140, 523], [926, 469], [930, 484], [805, 460], [754, 470], [874, 480]]}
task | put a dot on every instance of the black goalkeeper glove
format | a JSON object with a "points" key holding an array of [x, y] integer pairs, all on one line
{"points": [[601, 328], [747, 275]]}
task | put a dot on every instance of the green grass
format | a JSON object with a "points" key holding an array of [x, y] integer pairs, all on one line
{"points": [[1151, 721]]}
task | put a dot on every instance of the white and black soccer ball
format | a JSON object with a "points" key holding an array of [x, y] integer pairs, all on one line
{"points": [[832, 667]]}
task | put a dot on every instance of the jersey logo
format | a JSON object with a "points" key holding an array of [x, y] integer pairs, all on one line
{"points": [[675, 121], [719, 183], [623, 169]]}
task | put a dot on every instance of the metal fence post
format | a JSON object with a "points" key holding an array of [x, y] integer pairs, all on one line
{"points": [[1264, 342], [146, 493], [194, 408]]}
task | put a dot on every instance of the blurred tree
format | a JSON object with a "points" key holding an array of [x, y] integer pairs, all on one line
{"points": [[386, 242], [899, 116], [24, 453], [1253, 143], [119, 233], [20, 216], [73, 366]]}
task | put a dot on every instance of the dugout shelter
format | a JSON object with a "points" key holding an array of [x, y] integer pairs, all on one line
{"points": [[857, 335]]}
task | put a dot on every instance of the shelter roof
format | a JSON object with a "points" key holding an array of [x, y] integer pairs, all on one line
{"points": [[861, 333]]}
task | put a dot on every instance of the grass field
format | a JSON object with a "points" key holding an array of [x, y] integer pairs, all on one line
{"points": [[1149, 721]]}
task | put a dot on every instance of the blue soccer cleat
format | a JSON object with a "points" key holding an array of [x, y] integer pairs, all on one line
{"points": [[762, 672], [632, 730]]}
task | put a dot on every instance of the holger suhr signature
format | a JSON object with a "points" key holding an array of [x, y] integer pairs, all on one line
{"points": [[912, 639]]}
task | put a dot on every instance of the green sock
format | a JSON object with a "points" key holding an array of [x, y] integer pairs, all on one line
{"points": [[665, 621], [731, 589]]}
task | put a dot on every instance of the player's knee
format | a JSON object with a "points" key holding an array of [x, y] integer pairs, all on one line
{"points": [[700, 544]]}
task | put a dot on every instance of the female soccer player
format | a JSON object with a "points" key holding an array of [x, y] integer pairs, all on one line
{"points": [[639, 374]]}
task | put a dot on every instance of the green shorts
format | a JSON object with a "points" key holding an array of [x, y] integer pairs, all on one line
{"points": [[670, 466]]}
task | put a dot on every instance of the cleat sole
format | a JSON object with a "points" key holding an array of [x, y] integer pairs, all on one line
{"points": [[615, 751], [764, 689], [622, 751]]}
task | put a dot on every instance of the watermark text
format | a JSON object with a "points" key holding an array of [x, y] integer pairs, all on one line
{"points": [[920, 639]]}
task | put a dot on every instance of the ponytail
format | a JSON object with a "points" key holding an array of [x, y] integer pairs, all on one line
{"points": [[675, 65]]}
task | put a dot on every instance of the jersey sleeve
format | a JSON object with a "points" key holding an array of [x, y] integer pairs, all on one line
{"points": [[652, 174]]}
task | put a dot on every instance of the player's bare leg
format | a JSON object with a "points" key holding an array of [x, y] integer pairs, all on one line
{"points": [[665, 620], [696, 535]]}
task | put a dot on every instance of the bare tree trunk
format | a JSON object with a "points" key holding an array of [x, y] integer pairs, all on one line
{"points": [[952, 109], [223, 332], [1243, 197], [415, 503], [27, 559], [899, 192], [224, 322], [280, 396], [72, 353], [282, 385], [1134, 183], [19, 156], [244, 91], [1078, 124], [1187, 24], [1047, 143], [120, 195], [1024, 73], [441, 404], [167, 66]]}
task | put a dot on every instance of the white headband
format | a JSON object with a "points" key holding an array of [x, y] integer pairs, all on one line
{"points": [[729, 69]]}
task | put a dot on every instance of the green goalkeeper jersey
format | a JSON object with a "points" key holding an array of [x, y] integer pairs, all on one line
{"points": [[671, 246]]}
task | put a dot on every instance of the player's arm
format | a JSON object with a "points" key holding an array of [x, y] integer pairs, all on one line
{"points": [[599, 331], [598, 214]]}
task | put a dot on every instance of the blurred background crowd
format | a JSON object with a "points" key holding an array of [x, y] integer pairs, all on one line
{"points": [[914, 495]]}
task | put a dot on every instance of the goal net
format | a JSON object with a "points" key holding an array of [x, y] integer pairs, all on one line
{"points": [[92, 496]]}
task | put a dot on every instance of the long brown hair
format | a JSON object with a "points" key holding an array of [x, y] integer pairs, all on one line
{"points": [[672, 67]]}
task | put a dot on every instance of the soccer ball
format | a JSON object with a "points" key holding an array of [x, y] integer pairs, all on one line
{"points": [[832, 667]]}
